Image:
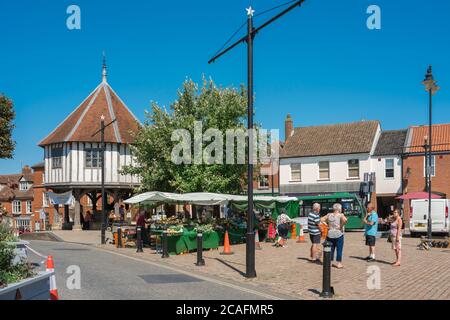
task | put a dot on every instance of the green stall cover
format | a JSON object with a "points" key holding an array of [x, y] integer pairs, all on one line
{"points": [[181, 243], [291, 207]]}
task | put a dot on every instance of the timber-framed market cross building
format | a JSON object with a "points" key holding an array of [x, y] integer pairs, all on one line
{"points": [[72, 156]]}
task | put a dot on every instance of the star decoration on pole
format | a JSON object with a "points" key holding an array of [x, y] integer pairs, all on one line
{"points": [[250, 11]]}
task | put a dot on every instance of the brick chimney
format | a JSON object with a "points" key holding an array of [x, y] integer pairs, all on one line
{"points": [[288, 127], [26, 170]]}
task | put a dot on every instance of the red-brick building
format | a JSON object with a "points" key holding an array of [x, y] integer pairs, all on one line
{"points": [[24, 200], [25, 204], [414, 178]]}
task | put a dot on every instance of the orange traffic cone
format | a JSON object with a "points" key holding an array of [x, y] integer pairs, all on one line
{"points": [[257, 244], [301, 236], [294, 231], [226, 245], [53, 290]]}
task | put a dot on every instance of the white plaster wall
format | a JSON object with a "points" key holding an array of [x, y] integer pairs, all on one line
{"points": [[74, 171], [338, 168], [387, 185]]}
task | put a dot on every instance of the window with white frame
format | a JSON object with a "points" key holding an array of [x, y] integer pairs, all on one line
{"points": [[324, 170], [433, 166], [23, 224], [24, 185], [353, 168], [57, 154], [263, 182], [296, 172], [92, 158], [16, 207], [389, 168], [44, 199], [29, 207]]}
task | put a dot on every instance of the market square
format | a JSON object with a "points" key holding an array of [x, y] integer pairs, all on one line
{"points": [[143, 171]]}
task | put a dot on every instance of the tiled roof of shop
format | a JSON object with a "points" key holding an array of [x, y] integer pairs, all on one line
{"points": [[440, 138], [391, 142], [344, 138]]}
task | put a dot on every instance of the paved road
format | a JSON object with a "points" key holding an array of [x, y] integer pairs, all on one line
{"points": [[108, 276]]}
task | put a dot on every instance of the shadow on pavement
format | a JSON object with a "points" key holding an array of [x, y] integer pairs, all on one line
{"points": [[376, 260], [231, 267]]}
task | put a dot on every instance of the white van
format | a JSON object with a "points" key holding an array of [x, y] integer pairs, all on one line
{"points": [[439, 216]]}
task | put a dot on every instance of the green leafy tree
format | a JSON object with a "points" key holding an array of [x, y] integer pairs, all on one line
{"points": [[7, 116], [215, 107]]}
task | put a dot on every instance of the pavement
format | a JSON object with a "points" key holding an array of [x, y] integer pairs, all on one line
{"points": [[106, 275], [423, 274], [286, 273]]}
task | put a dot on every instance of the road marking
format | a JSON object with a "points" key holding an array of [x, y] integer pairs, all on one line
{"points": [[36, 253], [219, 282]]}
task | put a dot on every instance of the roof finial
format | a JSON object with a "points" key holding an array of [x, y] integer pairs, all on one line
{"points": [[104, 74]]}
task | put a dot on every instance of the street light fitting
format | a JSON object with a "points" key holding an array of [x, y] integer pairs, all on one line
{"points": [[429, 82]]}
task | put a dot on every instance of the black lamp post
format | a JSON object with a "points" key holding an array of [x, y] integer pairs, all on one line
{"points": [[248, 38], [431, 88], [102, 157]]}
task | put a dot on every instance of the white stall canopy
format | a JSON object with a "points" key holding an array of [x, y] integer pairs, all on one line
{"points": [[199, 198]]}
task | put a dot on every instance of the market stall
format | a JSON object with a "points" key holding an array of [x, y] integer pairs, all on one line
{"points": [[186, 241], [273, 205], [182, 232]]}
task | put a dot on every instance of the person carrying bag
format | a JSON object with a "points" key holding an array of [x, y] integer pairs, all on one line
{"points": [[335, 222]]}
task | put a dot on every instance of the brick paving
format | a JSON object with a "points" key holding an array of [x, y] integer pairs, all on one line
{"points": [[423, 274]]}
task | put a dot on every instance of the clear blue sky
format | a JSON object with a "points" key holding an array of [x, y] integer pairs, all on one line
{"points": [[320, 62]]}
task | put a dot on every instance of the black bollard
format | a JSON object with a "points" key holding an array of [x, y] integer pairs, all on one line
{"points": [[165, 247], [327, 289], [139, 239], [119, 237], [200, 260]]}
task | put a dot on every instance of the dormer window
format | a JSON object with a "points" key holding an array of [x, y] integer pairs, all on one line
{"points": [[24, 186]]}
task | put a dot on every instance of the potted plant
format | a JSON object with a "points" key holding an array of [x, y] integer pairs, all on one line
{"points": [[17, 277]]}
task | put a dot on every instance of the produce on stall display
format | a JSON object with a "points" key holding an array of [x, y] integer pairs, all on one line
{"points": [[182, 230], [204, 228], [172, 230]]}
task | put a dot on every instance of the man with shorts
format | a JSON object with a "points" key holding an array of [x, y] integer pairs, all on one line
{"points": [[314, 231], [371, 222]]}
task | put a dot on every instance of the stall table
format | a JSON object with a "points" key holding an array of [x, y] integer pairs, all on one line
{"points": [[187, 241]]}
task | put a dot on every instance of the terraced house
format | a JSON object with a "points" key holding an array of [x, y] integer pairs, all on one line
{"points": [[356, 158], [24, 200]]}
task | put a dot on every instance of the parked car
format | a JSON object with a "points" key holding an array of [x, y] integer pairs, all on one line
{"points": [[439, 216]]}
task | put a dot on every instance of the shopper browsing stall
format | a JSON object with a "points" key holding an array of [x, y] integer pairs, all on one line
{"points": [[283, 223]]}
